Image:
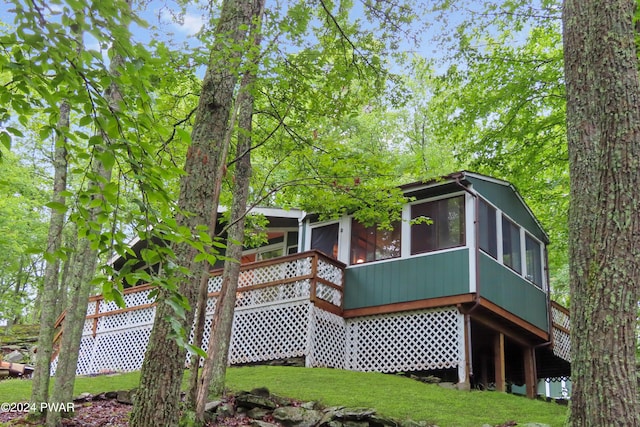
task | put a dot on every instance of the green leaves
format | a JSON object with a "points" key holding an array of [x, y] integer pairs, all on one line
{"points": [[57, 206]]}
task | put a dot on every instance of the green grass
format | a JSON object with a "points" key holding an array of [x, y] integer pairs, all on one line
{"points": [[391, 395]]}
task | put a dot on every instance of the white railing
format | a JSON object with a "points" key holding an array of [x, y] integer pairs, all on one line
{"points": [[116, 338]]}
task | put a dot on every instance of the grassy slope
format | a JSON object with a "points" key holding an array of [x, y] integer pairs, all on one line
{"points": [[391, 395]]}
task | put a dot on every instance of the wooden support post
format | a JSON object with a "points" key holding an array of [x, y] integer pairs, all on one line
{"points": [[530, 377], [498, 361]]}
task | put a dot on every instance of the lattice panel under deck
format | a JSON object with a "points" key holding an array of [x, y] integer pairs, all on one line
{"points": [[328, 335], [122, 352], [125, 320], [269, 333], [561, 344], [411, 341], [214, 284], [85, 355]]}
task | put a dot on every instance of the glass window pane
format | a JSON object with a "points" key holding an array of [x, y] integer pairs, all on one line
{"points": [[372, 244], [488, 233], [446, 227], [534, 261], [325, 239], [269, 254], [511, 245]]}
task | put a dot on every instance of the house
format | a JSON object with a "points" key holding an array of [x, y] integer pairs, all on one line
{"points": [[464, 295]]}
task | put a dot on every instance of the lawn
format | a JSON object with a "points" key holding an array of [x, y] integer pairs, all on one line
{"points": [[391, 395]]}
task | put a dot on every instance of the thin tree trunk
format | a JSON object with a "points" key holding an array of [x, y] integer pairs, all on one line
{"points": [[82, 272], [16, 296], [214, 370], [157, 401], [198, 334], [50, 291], [603, 130]]}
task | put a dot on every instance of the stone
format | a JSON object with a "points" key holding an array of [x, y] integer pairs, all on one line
{"points": [[463, 386], [261, 391], [212, 406], [310, 405], [225, 410], [355, 423], [248, 400], [14, 357], [126, 396], [83, 397], [354, 414], [296, 416], [258, 413], [257, 423], [380, 421]]}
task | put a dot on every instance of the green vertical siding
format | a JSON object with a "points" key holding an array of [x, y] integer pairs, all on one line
{"points": [[506, 199], [513, 293], [411, 279]]}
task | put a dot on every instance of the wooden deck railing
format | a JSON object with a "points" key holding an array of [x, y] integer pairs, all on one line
{"points": [[311, 275]]}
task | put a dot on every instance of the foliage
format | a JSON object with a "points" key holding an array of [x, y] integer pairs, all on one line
{"points": [[23, 228], [59, 53], [500, 105], [390, 395]]}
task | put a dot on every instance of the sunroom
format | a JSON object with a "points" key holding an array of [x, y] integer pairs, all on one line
{"points": [[465, 241]]}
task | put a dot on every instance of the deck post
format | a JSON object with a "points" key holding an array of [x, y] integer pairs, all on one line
{"points": [[530, 372], [464, 352], [498, 361]]}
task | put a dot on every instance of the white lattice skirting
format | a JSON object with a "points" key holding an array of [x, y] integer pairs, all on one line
{"points": [[276, 318], [417, 340]]}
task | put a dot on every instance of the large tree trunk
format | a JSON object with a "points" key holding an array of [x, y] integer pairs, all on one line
{"points": [[603, 125], [50, 291], [157, 401]]}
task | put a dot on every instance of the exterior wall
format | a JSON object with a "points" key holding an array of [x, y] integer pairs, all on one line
{"points": [[507, 201], [409, 279], [513, 293]]}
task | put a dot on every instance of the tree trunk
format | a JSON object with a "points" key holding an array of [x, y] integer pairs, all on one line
{"points": [[157, 401], [82, 272], [50, 291], [603, 130], [214, 370], [198, 334]]}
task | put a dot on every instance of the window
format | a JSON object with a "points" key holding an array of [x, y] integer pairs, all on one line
{"points": [[269, 253], [533, 260], [372, 244], [325, 239], [511, 245], [487, 231], [446, 227]]}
